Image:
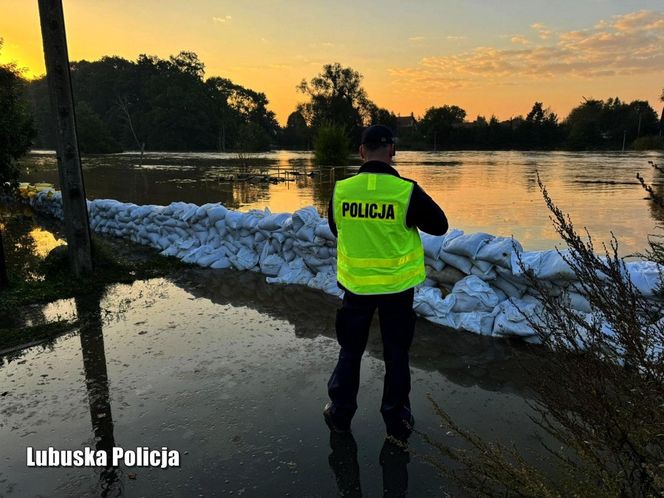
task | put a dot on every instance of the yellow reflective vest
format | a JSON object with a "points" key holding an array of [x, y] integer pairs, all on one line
{"points": [[376, 251]]}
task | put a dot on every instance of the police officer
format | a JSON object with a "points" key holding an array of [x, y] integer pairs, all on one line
{"points": [[375, 216]]}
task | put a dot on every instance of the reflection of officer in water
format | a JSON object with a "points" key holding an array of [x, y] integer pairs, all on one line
{"points": [[376, 215], [343, 461]]}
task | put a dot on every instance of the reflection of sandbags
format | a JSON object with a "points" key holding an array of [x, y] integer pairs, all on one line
{"points": [[546, 265], [473, 294], [467, 245]]}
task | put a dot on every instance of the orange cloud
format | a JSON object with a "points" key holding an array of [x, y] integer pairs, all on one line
{"points": [[626, 45]]}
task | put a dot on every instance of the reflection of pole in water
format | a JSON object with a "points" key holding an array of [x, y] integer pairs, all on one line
{"points": [[96, 383]]}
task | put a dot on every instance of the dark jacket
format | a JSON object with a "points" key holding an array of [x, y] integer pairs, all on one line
{"points": [[422, 213]]}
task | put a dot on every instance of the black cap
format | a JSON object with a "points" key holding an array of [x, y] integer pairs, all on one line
{"points": [[377, 134]]}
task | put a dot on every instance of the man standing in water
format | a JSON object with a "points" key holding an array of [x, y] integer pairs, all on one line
{"points": [[375, 216]]}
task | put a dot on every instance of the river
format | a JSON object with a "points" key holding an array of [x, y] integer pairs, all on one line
{"points": [[494, 192]]}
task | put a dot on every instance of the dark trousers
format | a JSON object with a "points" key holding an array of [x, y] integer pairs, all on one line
{"points": [[397, 325]]}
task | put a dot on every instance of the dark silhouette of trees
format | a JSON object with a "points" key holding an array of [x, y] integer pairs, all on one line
{"points": [[336, 97], [159, 104], [296, 134], [598, 124], [16, 125], [438, 122], [169, 104]]}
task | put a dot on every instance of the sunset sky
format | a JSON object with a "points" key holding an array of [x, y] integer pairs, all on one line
{"points": [[487, 56]]}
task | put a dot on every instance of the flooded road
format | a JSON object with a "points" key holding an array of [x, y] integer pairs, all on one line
{"points": [[232, 373], [494, 192]]}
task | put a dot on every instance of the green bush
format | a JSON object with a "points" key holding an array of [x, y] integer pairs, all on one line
{"points": [[651, 142], [332, 145]]}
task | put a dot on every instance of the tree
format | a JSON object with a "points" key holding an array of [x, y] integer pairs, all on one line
{"points": [[437, 123], [16, 125], [379, 115], [160, 104], [296, 134], [336, 97], [597, 124], [540, 128], [93, 134]]}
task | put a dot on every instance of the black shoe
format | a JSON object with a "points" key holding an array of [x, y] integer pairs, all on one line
{"points": [[335, 425]]}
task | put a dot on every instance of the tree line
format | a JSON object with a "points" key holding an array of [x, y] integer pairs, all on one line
{"points": [[170, 105]]}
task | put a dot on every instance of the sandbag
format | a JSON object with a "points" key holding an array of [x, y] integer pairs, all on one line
{"points": [[510, 319], [306, 216], [545, 265], [646, 276], [273, 222], [473, 294], [499, 251], [459, 262], [431, 244], [467, 245], [447, 276]]}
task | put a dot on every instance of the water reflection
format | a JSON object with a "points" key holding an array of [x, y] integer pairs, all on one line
{"points": [[343, 461], [465, 359], [344, 464], [97, 385]]}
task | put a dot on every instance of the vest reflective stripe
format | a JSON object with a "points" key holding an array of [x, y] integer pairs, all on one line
{"points": [[377, 279], [376, 252], [377, 262]]}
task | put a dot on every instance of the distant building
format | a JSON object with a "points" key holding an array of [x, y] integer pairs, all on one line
{"points": [[406, 123]]}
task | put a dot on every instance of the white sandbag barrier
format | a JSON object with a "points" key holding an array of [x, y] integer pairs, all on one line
{"points": [[474, 280]]}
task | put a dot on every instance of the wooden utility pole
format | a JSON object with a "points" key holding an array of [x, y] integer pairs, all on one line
{"points": [[77, 226]]}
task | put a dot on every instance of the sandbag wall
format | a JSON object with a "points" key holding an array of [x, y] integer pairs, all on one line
{"points": [[474, 281]]}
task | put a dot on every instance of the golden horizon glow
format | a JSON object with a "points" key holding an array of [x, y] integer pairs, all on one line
{"points": [[488, 59]]}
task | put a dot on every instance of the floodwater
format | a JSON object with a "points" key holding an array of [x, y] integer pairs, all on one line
{"points": [[494, 192], [231, 372]]}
